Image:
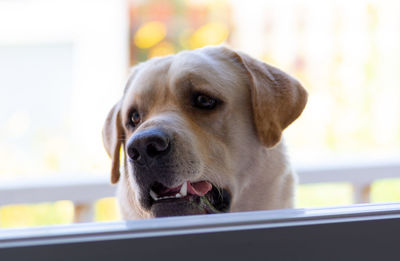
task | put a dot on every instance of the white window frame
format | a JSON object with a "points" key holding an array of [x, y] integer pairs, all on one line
{"points": [[84, 191]]}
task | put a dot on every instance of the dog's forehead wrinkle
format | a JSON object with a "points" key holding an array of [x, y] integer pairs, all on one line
{"points": [[216, 74], [195, 63]]}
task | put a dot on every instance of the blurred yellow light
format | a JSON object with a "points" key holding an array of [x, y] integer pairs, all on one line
{"points": [[209, 34], [162, 49], [150, 34], [60, 212], [106, 209]]}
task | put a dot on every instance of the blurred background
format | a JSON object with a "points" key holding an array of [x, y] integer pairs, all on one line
{"points": [[64, 63]]}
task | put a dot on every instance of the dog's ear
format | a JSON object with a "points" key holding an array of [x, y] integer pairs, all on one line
{"points": [[277, 98], [113, 136]]}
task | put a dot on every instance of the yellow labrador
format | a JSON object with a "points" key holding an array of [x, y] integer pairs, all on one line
{"points": [[201, 133]]}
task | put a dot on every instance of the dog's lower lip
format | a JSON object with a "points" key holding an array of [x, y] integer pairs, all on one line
{"points": [[215, 200]]}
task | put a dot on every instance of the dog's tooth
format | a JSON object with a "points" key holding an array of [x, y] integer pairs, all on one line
{"points": [[183, 191], [178, 195], [153, 194], [166, 197]]}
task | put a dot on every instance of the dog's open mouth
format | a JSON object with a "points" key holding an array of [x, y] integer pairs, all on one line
{"points": [[199, 198]]}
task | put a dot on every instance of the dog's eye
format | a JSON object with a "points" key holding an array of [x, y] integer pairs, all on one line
{"points": [[203, 101], [135, 118]]}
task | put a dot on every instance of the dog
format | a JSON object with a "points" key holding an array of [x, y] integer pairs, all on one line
{"points": [[199, 132]]}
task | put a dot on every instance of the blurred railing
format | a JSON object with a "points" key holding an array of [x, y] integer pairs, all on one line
{"points": [[84, 191]]}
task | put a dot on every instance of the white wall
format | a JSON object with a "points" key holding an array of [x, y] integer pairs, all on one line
{"points": [[63, 64]]}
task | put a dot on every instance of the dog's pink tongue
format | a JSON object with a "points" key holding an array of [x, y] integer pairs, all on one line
{"points": [[199, 188]]}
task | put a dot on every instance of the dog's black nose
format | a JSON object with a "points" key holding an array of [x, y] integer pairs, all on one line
{"points": [[147, 145]]}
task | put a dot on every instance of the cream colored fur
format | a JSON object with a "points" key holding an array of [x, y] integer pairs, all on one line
{"points": [[238, 146]]}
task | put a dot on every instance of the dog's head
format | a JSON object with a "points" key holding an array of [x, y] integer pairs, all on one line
{"points": [[190, 126]]}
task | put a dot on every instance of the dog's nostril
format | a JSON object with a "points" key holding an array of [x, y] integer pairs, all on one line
{"points": [[135, 155], [152, 150], [155, 148]]}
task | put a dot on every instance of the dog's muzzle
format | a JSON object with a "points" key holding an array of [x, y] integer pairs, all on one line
{"points": [[151, 153]]}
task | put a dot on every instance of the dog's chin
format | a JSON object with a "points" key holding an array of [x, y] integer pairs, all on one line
{"points": [[178, 207]]}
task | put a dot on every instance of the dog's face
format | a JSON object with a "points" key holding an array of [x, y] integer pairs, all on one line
{"points": [[192, 127]]}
